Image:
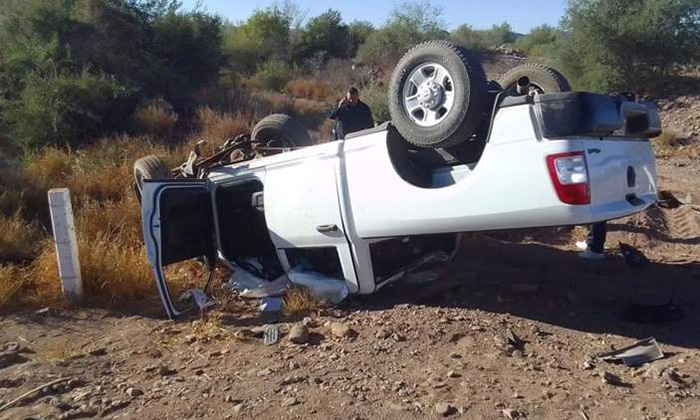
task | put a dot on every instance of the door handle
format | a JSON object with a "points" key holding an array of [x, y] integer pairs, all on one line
{"points": [[326, 228]]}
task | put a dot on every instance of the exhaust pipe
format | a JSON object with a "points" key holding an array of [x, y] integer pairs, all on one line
{"points": [[523, 86]]}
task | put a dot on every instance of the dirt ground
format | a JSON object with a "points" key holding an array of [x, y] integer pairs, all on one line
{"points": [[411, 351]]}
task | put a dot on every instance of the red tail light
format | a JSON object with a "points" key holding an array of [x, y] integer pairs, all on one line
{"points": [[569, 173]]}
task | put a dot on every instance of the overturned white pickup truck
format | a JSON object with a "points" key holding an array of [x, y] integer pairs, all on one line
{"points": [[460, 155]]}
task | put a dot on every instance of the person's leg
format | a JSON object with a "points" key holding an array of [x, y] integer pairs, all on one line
{"points": [[597, 236]]}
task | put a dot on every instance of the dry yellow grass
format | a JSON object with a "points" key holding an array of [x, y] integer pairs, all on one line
{"points": [[315, 89], [216, 127], [19, 239], [155, 118], [300, 301], [113, 262], [11, 282]]}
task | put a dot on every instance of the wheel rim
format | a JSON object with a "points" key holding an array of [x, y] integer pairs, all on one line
{"points": [[428, 94]]}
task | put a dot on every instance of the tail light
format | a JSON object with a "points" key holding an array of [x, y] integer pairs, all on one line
{"points": [[569, 173]]}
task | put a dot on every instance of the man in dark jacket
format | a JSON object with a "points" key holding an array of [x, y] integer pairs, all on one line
{"points": [[351, 115]]}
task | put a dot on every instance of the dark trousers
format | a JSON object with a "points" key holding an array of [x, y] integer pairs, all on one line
{"points": [[596, 237]]}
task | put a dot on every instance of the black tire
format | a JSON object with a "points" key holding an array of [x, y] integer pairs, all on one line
{"points": [[149, 167], [282, 130], [469, 90], [543, 78]]}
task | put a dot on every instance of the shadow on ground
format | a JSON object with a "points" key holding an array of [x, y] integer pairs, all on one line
{"points": [[571, 293]]}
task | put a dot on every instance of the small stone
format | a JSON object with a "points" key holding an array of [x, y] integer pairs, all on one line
{"points": [[444, 409], [611, 379], [453, 374], [309, 322], [439, 385], [341, 330], [238, 408], [511, 414], [398, 337], [166, 371], [100, 351], [290, 402], [133, 392], [299, 334], [382, 334]]}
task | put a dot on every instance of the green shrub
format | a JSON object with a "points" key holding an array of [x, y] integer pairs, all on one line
{"points": [[376, 97], [409, 24], [615, 45], [273, 75], [68, 109]]}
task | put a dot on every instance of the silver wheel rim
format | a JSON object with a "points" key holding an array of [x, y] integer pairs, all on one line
{"points": [[428, 94]]}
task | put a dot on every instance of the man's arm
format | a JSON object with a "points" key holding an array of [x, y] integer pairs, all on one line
{"points": [[339, 111]]}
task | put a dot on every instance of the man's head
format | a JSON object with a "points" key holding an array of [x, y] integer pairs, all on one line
{"points": [[353, 96]]}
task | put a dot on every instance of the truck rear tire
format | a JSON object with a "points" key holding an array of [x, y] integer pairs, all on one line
{"points": [[542, 78], [437, 95], [282, 130], [149, 167]]}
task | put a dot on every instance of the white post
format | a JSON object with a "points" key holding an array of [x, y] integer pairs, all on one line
{"points": [[66, 244]]}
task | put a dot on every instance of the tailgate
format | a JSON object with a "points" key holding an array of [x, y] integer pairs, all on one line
{"points": [[622, 176]]}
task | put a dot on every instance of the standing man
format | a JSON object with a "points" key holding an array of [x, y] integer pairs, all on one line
{"points": [[351, 115]]}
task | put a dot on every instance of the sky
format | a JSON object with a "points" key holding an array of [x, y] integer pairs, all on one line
{"points": [[481, 14]]}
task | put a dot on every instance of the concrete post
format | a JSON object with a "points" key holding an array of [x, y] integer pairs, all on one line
{"points": [[66, 244]]}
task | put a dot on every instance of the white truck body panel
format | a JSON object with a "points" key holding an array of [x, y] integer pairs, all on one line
{"points": [[348, 194]]}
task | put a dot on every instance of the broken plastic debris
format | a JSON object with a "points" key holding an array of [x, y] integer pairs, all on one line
{"points": [[251, 286], [331, 290], [271, 304], [641, 352], [203, 301], [271, 335]]}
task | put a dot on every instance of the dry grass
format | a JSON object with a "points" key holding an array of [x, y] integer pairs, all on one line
{"points": [[61, 350], [108, 227], [19, 239], [11, 282], [216, 127], [156, 118], [300, 301], [315, 89]]}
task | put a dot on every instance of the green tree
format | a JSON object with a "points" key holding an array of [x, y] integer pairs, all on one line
{"points": [[539, 41], [265, 35], [359, 32], [325, 34], [615, 45], [408, 24], [468, 37]]}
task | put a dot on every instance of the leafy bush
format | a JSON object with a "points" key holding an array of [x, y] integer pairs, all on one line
{"points": [[615, 45], [376, 97], [273, 75], [539, 42], [69, 109]]}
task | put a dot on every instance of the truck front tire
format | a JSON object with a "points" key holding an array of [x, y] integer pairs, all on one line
{"points": [[282, 130]]}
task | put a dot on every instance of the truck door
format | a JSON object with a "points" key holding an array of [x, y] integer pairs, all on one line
{"points": [[302, 206], [178, 225]]}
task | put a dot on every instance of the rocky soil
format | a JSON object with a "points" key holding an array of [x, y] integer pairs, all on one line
{"points": [[510, 331]]}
